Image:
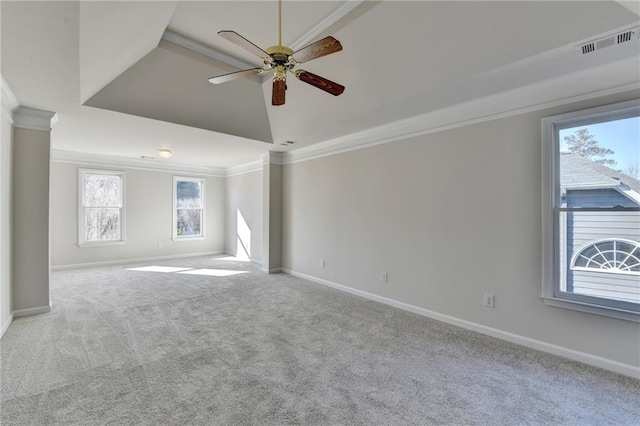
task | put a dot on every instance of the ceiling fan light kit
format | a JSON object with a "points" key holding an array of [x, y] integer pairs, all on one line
{"points": [[280, 60]]}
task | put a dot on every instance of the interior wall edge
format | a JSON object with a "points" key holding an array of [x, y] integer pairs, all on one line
{"points": [[583, 357]]}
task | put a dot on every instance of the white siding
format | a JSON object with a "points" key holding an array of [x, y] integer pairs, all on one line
{"points": [[587, 227]]}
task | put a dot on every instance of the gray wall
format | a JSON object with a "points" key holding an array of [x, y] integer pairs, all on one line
{"points": [[30, 219], [148, 210], [244, 196], [449, 216], [6, 142]]}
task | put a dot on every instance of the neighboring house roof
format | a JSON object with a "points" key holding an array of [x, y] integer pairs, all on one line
{"points": [[578, 173]]}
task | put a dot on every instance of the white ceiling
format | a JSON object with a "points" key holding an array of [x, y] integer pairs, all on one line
{"points": [[400, 59]]}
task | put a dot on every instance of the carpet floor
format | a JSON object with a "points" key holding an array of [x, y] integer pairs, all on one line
{"points": [[213, 341]]}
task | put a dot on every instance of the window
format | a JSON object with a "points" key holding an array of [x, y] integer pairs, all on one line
{"points": [[101, 213], [591, 210], [188, 208], [609, 256]]}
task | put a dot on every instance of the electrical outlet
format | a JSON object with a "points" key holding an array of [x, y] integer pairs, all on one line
{"points": [[489, 300], [323, 263], [384, 278]]}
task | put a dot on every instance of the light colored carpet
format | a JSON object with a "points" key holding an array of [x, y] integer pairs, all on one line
{"points": [[140, 347]]}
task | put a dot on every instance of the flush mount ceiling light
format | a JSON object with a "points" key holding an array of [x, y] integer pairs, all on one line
{"points": [[165, 153], [280, 60]]}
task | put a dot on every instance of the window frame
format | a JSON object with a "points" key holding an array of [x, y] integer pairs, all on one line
{"points": [[551, 210], [81, 208], [174, 218]]}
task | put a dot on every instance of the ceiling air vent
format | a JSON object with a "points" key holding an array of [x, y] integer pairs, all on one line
{"points": [[588, 48], [612, 40]]}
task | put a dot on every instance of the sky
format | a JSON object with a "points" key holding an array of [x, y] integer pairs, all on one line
{"points": [[621, 136]]}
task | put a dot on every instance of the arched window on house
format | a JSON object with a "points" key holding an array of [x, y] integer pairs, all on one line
{"points": [[616, 256]]}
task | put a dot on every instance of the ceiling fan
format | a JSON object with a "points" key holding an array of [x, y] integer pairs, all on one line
{"points": [[280, 59]]}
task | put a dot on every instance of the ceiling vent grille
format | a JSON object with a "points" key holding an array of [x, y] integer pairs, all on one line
{"points": [[612, 40]]}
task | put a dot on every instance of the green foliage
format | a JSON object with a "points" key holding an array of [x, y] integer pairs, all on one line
{"points": [[584, 144]]}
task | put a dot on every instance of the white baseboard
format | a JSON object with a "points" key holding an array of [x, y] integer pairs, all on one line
{"points": [[252, 260], [273, 271], [6, 325], [596, 361], [24, 313], [31, 311], [135, 260]]}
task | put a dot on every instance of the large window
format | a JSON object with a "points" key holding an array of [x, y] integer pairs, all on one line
{"points": [[591, 210], [188, 208], [101, 213]]}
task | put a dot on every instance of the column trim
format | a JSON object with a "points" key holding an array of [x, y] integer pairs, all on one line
{"points": [[33, 119]]}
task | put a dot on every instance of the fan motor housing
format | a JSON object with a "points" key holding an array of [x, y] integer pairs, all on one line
{"points": [[280, 54]]}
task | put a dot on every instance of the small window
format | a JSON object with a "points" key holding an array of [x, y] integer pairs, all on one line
{"points": [[188, 208], [101, 213], [591, 210], [608, 256]]}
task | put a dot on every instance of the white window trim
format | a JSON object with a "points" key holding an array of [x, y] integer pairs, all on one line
{"points": [[551, 197], [174, 216], [81, 224]]}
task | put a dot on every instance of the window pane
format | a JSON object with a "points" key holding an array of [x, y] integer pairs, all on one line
{"points": [[593, 261], [102, 190], [102, 224], [189, 194], [600, 164], [189, 222]]}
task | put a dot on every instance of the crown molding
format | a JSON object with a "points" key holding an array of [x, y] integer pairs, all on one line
{"points": [[605, 80], [273, 157], [33, 119], [205, 50], [253, 166], [9, 100], [100, 160], [321, 26]]}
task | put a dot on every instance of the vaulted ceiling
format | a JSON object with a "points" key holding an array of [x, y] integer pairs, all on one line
{"points": [[126, 78]]}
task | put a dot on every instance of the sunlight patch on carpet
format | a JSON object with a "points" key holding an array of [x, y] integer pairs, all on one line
{"points": [[213, 272], [234, 258], [164, 269]]}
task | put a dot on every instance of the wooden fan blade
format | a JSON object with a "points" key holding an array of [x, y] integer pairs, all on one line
{"points": [[318, 49], [278, 94], [237, 39], [320, 82], [234, 75]]}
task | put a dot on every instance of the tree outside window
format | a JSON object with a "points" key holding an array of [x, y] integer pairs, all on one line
{"points": [[188, 207], [101, 207]]}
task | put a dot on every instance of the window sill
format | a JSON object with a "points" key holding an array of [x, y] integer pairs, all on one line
{"points": [[592, 309], [101, 243]]}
